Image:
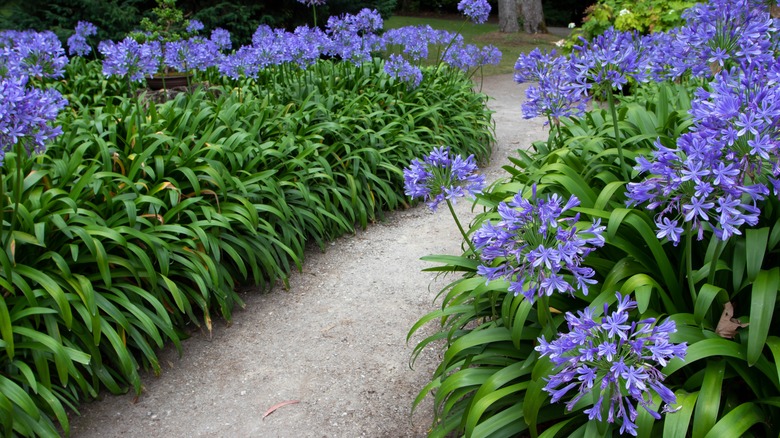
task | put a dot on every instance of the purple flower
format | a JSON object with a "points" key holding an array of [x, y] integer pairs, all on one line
{"points": [[77, 43], [30, 53], [533, 245], [718, 172], [476, 10], [442, 176], [624, 372], [26, 115], [129, 58], [398, 67], [610, 60], [311, 3], [721, 34], [221, 38], [194, 26], [554, 96]]}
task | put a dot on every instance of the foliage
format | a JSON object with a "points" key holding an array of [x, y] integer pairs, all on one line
{"points": [[717, 290], [114, 18], [144, 217]]}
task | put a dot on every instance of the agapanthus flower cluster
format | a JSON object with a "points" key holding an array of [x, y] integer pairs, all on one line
{"points": [[221, 38], [129, 58], [77, 43], [468, 56], [616, 360], [442, 176], [533, 246], [311, 3], [552, 96], [33, 54], [719, 170], [720, 34], [194, 26], [398, 67], [610, 60], [477, 11], [354, 37], [26, 114], [413, 40]]}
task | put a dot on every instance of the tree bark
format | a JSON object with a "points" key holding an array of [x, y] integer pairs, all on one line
{"points": [[533, 16], [507, 16]]}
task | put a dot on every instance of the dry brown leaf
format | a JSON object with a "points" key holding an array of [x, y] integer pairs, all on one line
{"points": [[728, 325], [279, 405]]}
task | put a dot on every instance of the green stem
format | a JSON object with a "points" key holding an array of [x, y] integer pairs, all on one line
{"points": [[545, 317], [16, 194], [689, 261], [452, 40], [2, 210], [612, 108], [714, 261], [460, 227]]}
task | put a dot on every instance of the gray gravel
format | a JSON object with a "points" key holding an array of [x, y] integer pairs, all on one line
{"points": [[334, 343]]}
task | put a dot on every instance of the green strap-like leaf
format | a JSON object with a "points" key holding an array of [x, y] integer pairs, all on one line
{"points": [[737, 421], [704, 299], [51, 287], [676, 424], [755, 246], [6, 331], [762, 307], [708, 404]]}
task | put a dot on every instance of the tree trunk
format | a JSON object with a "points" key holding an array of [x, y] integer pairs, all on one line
{"points": [[507, 16], [533, 16]]}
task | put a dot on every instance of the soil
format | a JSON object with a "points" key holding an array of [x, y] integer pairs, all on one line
{"points": [[328, 357]]}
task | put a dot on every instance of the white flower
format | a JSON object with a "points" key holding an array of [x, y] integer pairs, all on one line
{"points": [[624, 12], [560, 43], [572, 25]]}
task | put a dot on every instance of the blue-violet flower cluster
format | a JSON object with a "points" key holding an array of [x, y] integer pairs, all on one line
{"points": [[553, 96], [442, 176], [724, 165], [533, 246], [26, 114], [477, 11], [77, 43], [614, 359]]}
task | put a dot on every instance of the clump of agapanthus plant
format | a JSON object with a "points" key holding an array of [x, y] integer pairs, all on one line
{"points": [[443, 177], [77, 43], [613, 360], [534, 246]]}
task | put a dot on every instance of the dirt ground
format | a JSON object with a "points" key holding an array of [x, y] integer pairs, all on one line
{"points": [[334, 344]]}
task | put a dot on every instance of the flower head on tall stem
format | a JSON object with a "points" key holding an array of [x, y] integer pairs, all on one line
{"points": [[616, 360], [477, 11], [26, 115], [533, 246], [442, 176], [553, 96], [77, 43]]}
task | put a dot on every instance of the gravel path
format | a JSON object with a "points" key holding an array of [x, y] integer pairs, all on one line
{"points": [[334, 343]]}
